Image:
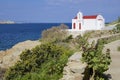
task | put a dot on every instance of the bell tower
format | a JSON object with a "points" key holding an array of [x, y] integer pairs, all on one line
{"points": [[80, 15]]}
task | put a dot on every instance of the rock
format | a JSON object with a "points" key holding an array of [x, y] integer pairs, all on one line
{"points": [[78, 77], [67, 77], [1, 61], [74, 68], [77, 67], [76, 57]]}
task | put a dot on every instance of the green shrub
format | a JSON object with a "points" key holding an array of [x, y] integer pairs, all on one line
{"points": [[97, 61], [118, 26], [43, 62], [118, 48], [68, 39]]}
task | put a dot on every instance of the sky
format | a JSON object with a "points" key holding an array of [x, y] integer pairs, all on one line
{"points": [[56, 11]]}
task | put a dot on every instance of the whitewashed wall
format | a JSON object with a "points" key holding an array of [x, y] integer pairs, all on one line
{"points": [[90, 24]]}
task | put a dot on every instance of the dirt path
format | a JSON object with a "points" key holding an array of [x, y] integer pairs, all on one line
{"points": [[115, 55]]}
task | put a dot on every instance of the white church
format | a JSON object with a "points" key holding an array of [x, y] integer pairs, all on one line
{"points": [[90, 22]]}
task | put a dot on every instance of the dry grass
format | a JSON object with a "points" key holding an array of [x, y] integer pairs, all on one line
{"points": [[99, 33]]}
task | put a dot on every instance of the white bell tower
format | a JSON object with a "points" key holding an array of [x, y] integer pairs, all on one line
{"points": [[79, 15]]}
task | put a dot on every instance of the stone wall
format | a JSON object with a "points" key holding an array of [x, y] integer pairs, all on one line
{"points": [[74, 68]]}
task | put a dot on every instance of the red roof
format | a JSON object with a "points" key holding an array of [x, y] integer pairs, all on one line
{"points": [[75, 17], [88, 17]]}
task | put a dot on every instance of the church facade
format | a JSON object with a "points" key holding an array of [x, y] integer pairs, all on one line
{"points": [[91, 22]]}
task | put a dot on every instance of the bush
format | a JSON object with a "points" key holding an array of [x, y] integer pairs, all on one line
{"points": [[97, 61], [118, 48], [55, 34], [118, 26], [43, 62], [68, 39]]}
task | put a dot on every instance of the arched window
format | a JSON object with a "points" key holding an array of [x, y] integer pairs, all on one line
{"points": [[79, 25], [74, 25]]}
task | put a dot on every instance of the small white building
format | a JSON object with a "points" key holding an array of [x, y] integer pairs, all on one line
{"points": [[91, 22]]}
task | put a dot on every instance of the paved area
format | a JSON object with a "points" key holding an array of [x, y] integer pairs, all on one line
{"points": [[115, 55]]}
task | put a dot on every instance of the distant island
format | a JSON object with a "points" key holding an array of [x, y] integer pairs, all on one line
{"points": [[7, 22]]}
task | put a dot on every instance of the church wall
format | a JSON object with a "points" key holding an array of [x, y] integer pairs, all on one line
{"points": [[100, 22], [90, 24]]}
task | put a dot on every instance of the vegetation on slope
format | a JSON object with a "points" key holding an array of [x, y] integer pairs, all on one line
{"points": [[118, 27], [114, 22], [118, 48], [55, 34], [117, 30], [97, 61], [45, 61]]}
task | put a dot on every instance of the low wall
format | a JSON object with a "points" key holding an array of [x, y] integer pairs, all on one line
{"points": [[75, 33], [110, 38]]}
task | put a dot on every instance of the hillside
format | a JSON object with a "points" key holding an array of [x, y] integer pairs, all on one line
{"points": [[48, 60], [114, 22]]}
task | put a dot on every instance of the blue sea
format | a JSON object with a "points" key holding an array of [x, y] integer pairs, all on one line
{"points": [[11, 34]]}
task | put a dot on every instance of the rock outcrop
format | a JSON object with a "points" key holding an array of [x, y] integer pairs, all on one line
{"points": [[11, 56], [74, 68]]}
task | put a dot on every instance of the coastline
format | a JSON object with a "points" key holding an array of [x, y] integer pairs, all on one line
{"points": [[9, 57], [7, 22]]}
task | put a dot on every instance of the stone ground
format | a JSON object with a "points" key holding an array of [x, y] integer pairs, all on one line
{"points": [[115, 55], [74, 68]]}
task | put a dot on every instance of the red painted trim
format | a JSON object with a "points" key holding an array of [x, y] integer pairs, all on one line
{"points": [[88, 17]]}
